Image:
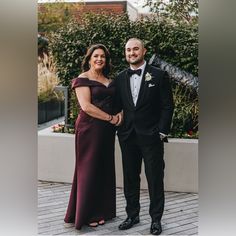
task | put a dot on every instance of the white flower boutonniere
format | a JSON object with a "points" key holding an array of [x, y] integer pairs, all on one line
{"points": [[148, 77]]}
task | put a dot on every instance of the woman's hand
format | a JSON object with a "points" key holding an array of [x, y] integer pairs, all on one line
{"points": [[120, 115], [117, 119]]}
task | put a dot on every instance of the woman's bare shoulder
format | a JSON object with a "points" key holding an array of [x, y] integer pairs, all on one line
{"points": [[83, 75]]}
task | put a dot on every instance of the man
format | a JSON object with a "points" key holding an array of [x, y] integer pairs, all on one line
{"points": [[144, 94]]}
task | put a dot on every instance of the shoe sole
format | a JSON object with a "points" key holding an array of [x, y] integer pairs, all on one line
{"points": [[156, 234]]}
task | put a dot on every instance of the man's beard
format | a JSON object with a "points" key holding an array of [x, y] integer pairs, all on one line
{"points": [[136, 61]]}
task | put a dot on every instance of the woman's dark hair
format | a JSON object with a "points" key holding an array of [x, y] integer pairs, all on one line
{"points": [[91, 49]]}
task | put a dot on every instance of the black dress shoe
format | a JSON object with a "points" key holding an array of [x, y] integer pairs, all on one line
{"points": [[128, 223], [156, 228]]}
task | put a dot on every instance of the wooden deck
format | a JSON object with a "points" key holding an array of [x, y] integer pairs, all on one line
{"points": [[180, 215]]}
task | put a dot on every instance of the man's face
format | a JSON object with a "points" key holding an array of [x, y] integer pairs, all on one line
{"points": [[134, 52]]}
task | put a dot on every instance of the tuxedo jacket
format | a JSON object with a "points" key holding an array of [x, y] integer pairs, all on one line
{"points": [[154, 108]]}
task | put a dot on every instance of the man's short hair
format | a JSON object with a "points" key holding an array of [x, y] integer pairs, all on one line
{"points": [[141, 41]]}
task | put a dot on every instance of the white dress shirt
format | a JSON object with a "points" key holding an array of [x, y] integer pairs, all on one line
{"points": [[135, 82]]}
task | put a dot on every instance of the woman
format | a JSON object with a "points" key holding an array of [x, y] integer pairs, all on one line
{"points": [[92, 198]]}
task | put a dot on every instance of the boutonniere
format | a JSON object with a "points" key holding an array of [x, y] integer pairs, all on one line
{"points": [[148, 77]]}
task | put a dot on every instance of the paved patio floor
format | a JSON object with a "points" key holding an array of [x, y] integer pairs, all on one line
{"points": [[180, 215]]}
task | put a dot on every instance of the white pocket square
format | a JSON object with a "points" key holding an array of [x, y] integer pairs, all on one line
{"points": [[151, 85]]}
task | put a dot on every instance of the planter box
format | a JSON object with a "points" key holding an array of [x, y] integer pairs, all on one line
{"points": [[56, 158], [50, 110]]}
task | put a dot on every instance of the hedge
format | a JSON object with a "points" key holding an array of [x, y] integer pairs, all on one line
{"points": [[175, 44]]}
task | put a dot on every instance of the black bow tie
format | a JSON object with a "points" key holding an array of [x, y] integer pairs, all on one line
{"points": [[132, 72]]}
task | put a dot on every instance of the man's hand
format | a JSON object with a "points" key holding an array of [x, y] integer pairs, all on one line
{"points": [[120, 115], [162, 136]]}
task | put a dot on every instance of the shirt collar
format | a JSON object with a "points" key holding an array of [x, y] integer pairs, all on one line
{"points": [[141, 67]]}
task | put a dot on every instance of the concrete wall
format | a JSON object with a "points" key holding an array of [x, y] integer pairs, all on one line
{"points": [[56, 158]]}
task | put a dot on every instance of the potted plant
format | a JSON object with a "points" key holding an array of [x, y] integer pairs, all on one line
{"points": [[50, 102]]}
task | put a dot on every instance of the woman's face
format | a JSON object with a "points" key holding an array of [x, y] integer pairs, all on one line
{"points": [[98, 59]]}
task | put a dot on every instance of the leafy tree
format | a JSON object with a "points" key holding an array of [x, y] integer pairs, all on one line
{"points": [[175, 11], [42, 45], [54, 15]]}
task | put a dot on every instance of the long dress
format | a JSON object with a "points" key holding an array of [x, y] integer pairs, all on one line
{"points": [[93, 194]]}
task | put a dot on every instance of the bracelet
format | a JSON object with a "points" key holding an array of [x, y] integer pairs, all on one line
{"points": [[110, 118]]}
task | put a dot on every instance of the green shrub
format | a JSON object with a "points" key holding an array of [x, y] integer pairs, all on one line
{"points": [[177, 45], [185, 117]]}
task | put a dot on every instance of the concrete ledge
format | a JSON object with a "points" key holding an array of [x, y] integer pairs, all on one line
{"points": [[56, 158]]}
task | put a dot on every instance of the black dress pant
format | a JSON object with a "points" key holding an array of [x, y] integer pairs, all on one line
{"points": [[133, 151]]}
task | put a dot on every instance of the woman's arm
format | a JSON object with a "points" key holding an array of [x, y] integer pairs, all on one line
{"points": [[84, 97]]}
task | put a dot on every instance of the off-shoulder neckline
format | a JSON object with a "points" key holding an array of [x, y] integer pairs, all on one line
{"points": [[96, 81]]}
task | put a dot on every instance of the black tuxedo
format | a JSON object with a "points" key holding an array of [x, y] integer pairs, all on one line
{"points": [[139, 136], [153, 111]]}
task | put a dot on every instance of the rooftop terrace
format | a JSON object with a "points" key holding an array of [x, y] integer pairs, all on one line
{"points": [[180, 215]]}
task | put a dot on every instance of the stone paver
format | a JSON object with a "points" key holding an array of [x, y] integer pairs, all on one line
{"points": [[180, 215]]}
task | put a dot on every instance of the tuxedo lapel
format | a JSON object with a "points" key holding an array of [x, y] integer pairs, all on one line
{"points": [[128, 89], [142, 88]]}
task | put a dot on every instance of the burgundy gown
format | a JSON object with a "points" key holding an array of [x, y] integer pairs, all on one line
{"points": [[93, 192]]}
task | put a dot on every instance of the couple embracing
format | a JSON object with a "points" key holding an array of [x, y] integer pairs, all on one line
{"points": [[138, 104]]}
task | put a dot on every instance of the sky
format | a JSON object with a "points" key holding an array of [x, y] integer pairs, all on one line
{"points": [[136, 3]]}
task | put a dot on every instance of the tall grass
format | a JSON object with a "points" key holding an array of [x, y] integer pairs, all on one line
{"points": [[47, 79]]}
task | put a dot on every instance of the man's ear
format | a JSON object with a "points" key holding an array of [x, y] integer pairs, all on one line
{"points": [[144, 51]]}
